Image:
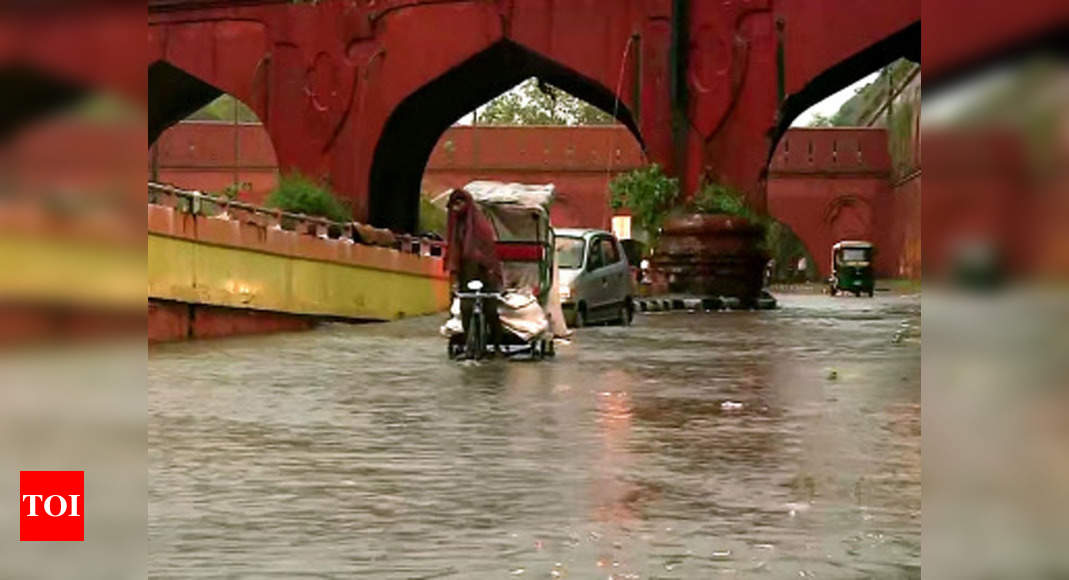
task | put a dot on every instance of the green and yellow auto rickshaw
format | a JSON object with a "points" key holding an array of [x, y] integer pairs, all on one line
{"points": [[851, 268]]}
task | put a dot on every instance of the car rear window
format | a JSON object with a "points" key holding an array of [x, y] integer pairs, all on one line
{"points": [[569, 252]]}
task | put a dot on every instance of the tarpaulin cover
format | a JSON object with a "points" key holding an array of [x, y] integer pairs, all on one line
{"points": [[519, 194], [519, 313]]}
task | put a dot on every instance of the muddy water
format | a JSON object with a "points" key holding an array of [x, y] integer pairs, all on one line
{"points": [[779, 444]]}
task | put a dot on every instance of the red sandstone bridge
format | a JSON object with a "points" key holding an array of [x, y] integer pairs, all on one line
{"points": [[359, 91]]}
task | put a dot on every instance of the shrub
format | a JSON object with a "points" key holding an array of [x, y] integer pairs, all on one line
{"points": [[717, 198], [297, 193], [648, 193], [432, 219]]}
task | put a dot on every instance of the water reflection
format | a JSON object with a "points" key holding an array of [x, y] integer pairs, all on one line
{"points": [[685, 446]]}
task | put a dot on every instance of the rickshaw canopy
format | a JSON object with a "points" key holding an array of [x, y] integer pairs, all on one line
{"points": [[518, 211], [852, 244], [851, 251], [518, 195]]}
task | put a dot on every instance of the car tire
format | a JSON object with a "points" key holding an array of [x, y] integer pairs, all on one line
{"points": [[580, 316], [624, 317]]}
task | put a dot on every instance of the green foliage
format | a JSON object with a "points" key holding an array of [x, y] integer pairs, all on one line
{"points": [[717, 198], [233, 190], [299, 194], [784, 248], [648, 193], [820, 120], [867, 99], [651, 196], [224, 108], [900, 138], [431, 217], [536, 103]]}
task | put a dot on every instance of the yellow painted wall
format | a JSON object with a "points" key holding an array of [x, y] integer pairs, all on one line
{"points": [[196, 272]]}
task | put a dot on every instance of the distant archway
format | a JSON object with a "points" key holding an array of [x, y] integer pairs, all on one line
{"points": [[785, 248], [415, 126]]}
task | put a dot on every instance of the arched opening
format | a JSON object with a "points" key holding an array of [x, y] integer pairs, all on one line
{"points": [[904, 44], [220, 147], [174, 94], [414, 128], [31, 93], [790, 260]]}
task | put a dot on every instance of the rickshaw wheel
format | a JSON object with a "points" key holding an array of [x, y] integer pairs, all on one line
{"points": [[475, 346], [550, 350]]}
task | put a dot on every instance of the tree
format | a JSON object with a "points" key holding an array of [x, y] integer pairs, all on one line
{"points": [[648, 193], [223, 108], [820, 120], [534, 102], [868, 98]]}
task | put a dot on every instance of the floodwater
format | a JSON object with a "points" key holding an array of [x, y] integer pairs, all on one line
{"points": [[778, 444]]}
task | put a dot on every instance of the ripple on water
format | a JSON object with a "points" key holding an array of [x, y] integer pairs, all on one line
{"points": [[687, 445]]}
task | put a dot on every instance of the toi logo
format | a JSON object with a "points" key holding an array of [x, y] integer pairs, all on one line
{"points": [[51, 506]]}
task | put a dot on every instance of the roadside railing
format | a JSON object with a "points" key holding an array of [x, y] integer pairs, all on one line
{"points": [[219, 207]]}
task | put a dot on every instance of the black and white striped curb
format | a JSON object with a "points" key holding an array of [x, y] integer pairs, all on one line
{"points": [[706, 304]]}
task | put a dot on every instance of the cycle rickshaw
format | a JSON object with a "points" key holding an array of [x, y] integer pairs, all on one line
{"points": [[526, 299]]}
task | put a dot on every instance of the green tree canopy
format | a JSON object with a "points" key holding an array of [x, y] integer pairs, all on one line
{"points": [[533, 102], [868, 98], [223, 108]]}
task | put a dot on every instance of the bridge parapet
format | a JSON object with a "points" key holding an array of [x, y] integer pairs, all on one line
{"points": [[230, 261]]}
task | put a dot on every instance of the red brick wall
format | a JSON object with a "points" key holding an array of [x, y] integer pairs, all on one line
{"points": [[210, 156], [826, 184], [580, 161], [905, 235], [833, 184]]}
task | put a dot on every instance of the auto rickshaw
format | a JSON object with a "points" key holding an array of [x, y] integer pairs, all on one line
{"points": [[527, 305], [851, 268]]}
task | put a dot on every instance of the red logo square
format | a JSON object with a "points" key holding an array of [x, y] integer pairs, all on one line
{"points": [[51, 506]]}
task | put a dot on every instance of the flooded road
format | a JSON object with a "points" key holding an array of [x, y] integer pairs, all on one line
{"points": [[778, 444]]}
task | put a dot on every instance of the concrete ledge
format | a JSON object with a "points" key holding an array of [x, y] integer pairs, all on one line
{"points": [[192, 272]]}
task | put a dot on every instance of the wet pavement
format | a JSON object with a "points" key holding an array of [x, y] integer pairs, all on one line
{"points": [[776, 444]]}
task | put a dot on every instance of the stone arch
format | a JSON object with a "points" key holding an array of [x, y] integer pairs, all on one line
{"points": [[905, 43], [849, 217], [415, 125]]}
